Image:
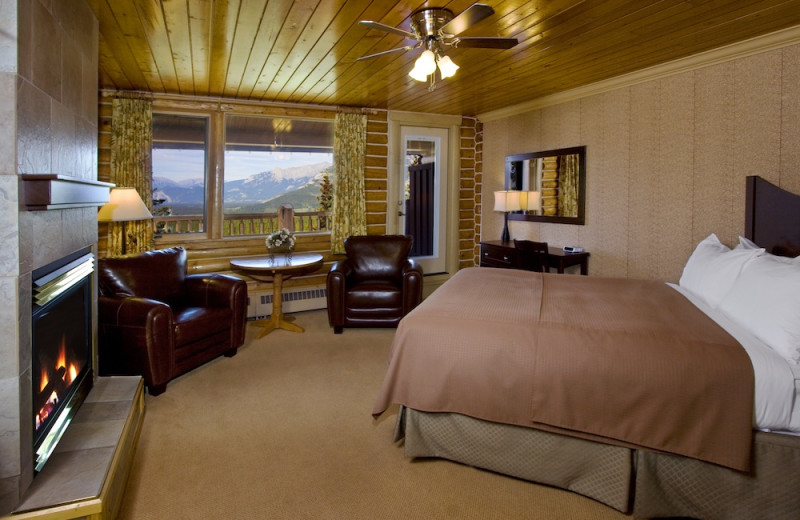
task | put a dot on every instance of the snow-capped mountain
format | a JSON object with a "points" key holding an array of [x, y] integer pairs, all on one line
{"points": [[270, 184], [256, 188]]}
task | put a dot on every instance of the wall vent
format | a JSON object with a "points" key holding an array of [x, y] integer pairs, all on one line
{"points": [[259, 304]]}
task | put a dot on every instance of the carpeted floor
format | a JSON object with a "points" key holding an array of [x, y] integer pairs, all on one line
{"points": [[283, 430]]}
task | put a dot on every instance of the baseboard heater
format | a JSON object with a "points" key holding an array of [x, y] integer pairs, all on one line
{"points": [[259, 304]]}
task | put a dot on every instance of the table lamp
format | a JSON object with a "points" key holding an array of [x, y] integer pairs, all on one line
{"points": [[124, 205], [530, 200], [505, 201]]}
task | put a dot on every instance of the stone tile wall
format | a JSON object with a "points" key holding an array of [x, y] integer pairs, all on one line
{"points": [[48, 124]]}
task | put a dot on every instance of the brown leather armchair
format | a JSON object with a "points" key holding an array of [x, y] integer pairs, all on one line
{"points": [[376, 285], [158, 322]]}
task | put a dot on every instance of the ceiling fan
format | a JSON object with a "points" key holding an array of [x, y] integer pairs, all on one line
{"points": [[435, 28]]}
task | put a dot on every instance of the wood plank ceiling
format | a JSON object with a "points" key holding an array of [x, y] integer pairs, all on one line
{"points": [[305, 51]]}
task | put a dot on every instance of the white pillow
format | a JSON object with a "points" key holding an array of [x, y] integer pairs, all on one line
{"points": [[766, 301], [713, 268], [746, 243]]}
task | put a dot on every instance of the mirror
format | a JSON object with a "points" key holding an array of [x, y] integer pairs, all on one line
{"points": [[555, 182]]}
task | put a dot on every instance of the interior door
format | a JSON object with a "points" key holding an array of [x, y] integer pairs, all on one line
{"points": [[422, 207]]}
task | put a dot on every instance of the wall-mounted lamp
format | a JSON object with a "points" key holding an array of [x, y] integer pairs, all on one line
{"points": [[124, 205], [505, 201]]}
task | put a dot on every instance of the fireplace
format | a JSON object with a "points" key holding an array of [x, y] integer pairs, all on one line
{"points": [[62, 347]]}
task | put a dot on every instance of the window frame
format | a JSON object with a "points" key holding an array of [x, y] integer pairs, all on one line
{"points": [[215, 157]]}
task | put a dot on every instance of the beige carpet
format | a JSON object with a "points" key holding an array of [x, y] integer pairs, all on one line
{"points": [[283, 430]]}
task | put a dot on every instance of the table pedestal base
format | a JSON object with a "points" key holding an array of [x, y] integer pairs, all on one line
{"points": [[277, 267], [277, 322]]}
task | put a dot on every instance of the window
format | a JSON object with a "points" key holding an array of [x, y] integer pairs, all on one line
{"points": [[180, 156], [271, 162], [268, 162]]}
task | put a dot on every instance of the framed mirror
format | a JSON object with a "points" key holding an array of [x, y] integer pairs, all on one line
{"points": [[553, 182]]}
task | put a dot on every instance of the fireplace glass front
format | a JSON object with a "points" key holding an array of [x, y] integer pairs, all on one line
{"points": [[62, 348]]}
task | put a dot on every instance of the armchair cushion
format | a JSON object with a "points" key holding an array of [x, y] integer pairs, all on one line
{"points": [[157, 275], [375, 285], [377, 257]]}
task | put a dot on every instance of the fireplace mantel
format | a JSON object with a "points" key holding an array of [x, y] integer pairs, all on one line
{"points": [[56, 191]]}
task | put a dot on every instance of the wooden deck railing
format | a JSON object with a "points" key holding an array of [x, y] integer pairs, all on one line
{"points": [[248, 224]]}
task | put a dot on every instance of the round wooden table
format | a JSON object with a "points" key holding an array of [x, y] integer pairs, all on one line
{"points": [[277, 268]]}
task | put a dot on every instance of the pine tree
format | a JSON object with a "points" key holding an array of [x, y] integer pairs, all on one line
{"points": [[325, 197]]}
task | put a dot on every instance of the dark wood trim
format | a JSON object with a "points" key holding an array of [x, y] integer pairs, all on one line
{"points": [[54, 191], [580, 219]]}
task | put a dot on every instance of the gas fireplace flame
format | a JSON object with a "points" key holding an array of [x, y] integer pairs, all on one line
{"points": [[64, 373]]}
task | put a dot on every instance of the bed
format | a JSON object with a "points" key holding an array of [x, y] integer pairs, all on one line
{"points": [[586, 384]]}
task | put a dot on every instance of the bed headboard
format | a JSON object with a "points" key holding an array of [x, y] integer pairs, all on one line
{"points": [[772, 217]]}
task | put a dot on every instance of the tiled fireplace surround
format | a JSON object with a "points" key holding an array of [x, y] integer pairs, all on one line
{"points": [[48, 124]]}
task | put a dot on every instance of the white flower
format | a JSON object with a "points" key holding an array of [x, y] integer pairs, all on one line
{"points": [[282, 237]]}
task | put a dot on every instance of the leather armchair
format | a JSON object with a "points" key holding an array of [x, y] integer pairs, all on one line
{"points": [[376, 285], [158, 322]]}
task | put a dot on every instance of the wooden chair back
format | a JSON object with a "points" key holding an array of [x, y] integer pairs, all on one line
{"points": [[532, 256]]}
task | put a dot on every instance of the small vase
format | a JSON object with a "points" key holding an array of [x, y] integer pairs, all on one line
{"points": [[280, 250]]}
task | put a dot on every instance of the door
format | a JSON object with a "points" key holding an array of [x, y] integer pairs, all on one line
{"points": [[422, 206]]}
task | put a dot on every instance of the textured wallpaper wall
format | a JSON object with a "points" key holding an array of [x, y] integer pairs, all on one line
{"points": [[666, 160]]}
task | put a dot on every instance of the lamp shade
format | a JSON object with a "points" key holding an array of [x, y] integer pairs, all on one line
{"points": [[123, 204], [529, 200], [418, 75], [446, 66], [426, 63], [507, 200]]}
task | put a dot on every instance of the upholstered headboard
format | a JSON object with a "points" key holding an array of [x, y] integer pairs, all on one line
{"points": [[772, 217]]}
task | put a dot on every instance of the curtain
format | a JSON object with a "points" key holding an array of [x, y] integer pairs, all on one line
{"points": [[568, 186], [131, 167], [349, 204]]}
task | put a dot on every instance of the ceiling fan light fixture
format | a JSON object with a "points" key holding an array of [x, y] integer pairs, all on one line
{"points": [[426, 63], [418, 75], [446, 67]]}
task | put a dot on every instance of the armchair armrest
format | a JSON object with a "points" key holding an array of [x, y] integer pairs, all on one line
{"points": [[412, 285], [220, 290], [213, 290], [336, 286], [136, 338]]}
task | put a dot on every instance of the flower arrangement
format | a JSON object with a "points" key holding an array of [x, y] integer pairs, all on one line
{"points": [[283, 238]]}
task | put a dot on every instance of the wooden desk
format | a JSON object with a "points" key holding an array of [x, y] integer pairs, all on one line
{"points": [[277, 268], [495, 253]]}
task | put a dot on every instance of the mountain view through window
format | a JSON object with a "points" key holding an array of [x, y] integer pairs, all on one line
{"points": [[268, 163]]}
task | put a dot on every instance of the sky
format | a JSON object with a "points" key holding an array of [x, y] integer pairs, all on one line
{"points": [[180, 165]]}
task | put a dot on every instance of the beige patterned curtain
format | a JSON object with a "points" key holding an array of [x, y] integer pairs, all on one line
{"points": [[568, 186], [349, 204], [131, 167]]}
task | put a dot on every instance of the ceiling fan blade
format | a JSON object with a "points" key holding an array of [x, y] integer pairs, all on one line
{"points": [[387, 28], [484, 43], [469, 16], [406, 48]]}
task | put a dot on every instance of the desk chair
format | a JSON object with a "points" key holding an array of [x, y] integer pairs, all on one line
{"points": [[532, 256]]}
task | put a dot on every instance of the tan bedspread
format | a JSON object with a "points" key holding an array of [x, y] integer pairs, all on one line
{"points": [[627, 361]]}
